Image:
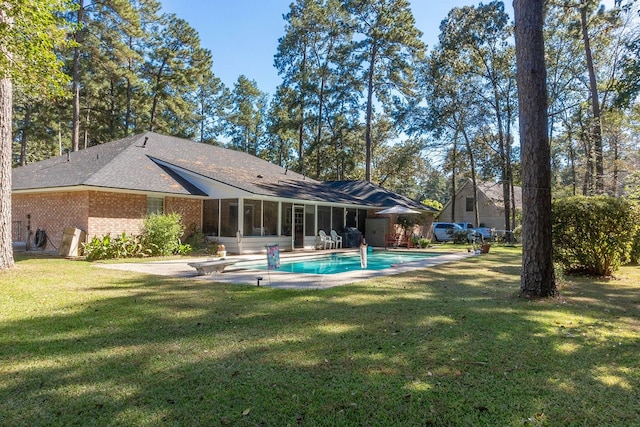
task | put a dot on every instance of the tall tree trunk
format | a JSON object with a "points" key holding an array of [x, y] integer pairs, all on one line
{"points": [[454, 176], [472, 166], [319, 131], [202, 111], [6, 111], [24, 137], [616, 166], [572, 163], [510, 171], [75, 86], [369, 112], [156, 96], [505, 173], [505, 159], [587, 184], [86, 128], [538, 278], [303, 88], [596, 132], [6, 101], [127, 114], [574, 176]]}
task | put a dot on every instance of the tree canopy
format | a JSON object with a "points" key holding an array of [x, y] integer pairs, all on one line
{"points": [[361, 96], [31, 32]]}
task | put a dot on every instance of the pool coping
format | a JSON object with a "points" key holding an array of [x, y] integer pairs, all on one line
{"points": [[279, 279]]}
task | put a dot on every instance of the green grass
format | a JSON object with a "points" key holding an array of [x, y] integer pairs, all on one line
{"points": [[451, 345]]}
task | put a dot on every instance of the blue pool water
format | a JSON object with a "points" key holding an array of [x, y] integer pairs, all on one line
{"points": [[344, 262]]}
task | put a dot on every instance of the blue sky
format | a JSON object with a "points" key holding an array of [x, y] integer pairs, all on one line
{"points": [[243, 34]]}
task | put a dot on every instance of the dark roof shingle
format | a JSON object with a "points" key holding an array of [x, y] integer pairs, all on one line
{"points": [[375, 195], [151, 162]]}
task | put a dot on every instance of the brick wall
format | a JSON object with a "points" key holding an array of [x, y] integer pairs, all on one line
{"points": [[115, 213], [190, 209], [52, 212], [96, 212]]}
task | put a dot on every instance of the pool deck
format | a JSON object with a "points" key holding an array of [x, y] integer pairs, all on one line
{"points": [[275, 278]]}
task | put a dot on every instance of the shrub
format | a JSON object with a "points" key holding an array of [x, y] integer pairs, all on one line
{"points": [[184, 249], [460, 236], [201, 244], [106, 247], [424, 243], [196, 240], [96, 248], [161, 233], [635, 249], [593, 235]]}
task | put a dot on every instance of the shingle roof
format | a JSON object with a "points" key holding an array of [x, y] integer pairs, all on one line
{"points": [[494, 192], [151, 162], [376, 195]]}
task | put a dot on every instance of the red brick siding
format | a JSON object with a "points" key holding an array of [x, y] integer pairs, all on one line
{"points": [[96, 212], [190, 209], [51, 212], [115, 213]]}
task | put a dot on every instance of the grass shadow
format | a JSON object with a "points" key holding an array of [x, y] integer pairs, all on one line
{"points": [[440, 346]]}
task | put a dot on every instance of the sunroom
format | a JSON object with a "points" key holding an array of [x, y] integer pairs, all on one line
{"points": [[246, 225]]}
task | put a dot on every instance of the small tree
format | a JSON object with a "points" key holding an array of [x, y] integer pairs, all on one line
{"points": [[161, 234]]}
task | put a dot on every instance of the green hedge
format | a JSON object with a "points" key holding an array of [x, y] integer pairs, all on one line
{"points": [[593, 235]]}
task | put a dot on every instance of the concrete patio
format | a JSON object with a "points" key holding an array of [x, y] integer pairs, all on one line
{"points": [[275, 278]]}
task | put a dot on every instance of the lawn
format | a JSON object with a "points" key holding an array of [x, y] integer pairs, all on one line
{"points": [[451, 345]]}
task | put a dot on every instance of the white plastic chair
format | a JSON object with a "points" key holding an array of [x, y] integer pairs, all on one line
{"points": [[337, 240], [326, 240]]}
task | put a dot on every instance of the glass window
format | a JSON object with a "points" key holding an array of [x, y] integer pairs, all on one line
{"points": [[351, 217], [362, 220], [270, 220], [155, 205], [324, 218], [228, 217], [309, 220], [337, 219], [210, 217], [469, 204], [287, 219], [252, 218]]}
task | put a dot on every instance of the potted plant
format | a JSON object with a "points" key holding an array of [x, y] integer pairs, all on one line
{"points": [[222, 251]]}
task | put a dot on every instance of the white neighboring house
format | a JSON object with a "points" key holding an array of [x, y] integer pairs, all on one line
{"points": [[490, 205]]}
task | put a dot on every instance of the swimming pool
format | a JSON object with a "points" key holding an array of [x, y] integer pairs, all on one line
{"points": [[343, 262]]}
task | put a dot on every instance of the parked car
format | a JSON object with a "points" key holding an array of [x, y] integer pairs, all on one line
{"points": [[449, 231], [480, 233]]}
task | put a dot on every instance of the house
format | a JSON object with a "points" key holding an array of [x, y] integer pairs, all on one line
{"points": [[490, 205], [234, 198], [377, 226]]}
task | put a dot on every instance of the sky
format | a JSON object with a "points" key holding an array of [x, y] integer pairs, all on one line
{"points": [[242, 35]]}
